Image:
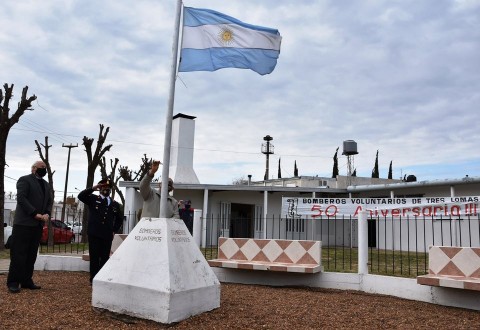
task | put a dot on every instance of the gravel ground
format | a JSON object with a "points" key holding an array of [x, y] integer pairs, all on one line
{"points": [[64, 302]]}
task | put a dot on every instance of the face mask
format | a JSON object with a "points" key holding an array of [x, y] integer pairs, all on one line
{"points": [[41, 172], [105, 192]]}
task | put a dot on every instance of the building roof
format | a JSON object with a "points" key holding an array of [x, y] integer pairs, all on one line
{"points": [[181, 115], [403, 185], [349, 189]]}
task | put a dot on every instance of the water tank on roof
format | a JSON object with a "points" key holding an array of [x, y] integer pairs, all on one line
{"points": [[349, 147], [411, 178]]}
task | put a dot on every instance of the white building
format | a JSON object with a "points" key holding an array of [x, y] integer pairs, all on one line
{"points": [[250, 210]]}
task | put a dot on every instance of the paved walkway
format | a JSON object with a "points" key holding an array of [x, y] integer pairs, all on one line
{"points": [[4, 264]]}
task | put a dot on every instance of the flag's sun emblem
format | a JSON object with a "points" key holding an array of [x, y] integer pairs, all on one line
{"points": [[225, 36]]}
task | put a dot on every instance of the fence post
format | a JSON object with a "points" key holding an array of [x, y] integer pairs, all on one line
{"points": [[130, 209], [362, 242], [197, 227], [265, 212], [454, 231], [204, 230]]}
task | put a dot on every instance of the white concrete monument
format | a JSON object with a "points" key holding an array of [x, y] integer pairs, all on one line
{"points": [[157, 273]]}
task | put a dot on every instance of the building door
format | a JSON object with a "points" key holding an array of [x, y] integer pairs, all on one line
{"points": [[241, 220]]}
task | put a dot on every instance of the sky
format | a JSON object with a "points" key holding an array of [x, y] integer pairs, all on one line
{"points": [[400, 77]]}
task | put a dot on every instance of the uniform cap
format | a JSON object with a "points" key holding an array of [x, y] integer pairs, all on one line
{"points": [[104, 181]]}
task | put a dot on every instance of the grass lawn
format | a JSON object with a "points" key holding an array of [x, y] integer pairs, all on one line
{"points": [[5, 254], [381, 262]]}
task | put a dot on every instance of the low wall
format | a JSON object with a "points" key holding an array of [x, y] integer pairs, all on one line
{"points": [[406, 288], [67, 263]]}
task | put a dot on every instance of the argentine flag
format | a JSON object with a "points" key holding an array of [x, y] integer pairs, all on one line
{"points": [[212, 41]]}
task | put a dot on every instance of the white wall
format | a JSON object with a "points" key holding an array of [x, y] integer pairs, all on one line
{"points": [[406, 288]]}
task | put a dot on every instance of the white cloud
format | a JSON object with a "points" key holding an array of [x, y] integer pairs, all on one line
{"points": [[401, 78]]}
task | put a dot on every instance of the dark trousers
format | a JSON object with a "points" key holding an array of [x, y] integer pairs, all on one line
{"points": [[99, 251], [187, 217], [189, 223], [23, 254]]}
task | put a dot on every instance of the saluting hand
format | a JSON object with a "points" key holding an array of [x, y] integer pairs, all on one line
{"points": [[155, 166], [100, 186]]}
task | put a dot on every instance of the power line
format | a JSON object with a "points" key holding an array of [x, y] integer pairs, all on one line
{"points": [[34, 124], [41, 106], [8, 177], [196, 149], [61, 136], [31, 125]]}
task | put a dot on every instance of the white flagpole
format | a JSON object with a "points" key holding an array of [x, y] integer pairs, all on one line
{"points": [[168, 125]]}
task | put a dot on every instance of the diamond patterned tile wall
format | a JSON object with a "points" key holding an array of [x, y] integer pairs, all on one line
{"points": [[269, 254], [454, 267], [456, 261]]}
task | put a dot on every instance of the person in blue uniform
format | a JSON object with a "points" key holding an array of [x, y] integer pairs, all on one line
{"points": [[104, 220]]}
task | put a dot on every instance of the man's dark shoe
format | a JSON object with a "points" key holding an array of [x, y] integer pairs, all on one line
{"points": [[31, 286], [13, 288]]}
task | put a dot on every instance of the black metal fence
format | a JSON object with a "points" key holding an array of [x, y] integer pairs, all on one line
{"points": [[397, 246], [68, 236]]}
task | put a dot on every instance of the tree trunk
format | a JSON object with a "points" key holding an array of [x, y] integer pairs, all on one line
{"points": [[3, 149], [6, 123], [93, 162]]}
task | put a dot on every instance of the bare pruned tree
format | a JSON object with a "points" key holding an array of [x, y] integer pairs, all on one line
{"points": [[114, 180], [93, 158], [6, 123], [240, 181], [129, 175]]}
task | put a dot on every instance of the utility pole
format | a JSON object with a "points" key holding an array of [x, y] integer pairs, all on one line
{"points": [[70, 146]]}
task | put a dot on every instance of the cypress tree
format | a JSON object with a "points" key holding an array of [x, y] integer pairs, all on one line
{"points": [[279, 169], [335, 164], [375, 172]]}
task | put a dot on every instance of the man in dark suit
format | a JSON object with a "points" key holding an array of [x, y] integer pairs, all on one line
{"points": [[33, 209], [104, 220]]}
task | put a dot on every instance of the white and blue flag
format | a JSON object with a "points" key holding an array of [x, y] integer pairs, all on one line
{"points": [[212, 41]]}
